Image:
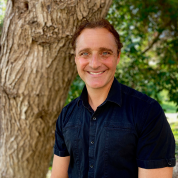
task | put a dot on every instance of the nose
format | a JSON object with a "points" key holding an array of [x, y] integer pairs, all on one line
{"points": [[95, 61]]}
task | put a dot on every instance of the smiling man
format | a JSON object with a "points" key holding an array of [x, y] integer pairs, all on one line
{"points": [[111, 130]]}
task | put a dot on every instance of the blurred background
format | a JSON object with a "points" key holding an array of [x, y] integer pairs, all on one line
{"points": [[149, 58]]}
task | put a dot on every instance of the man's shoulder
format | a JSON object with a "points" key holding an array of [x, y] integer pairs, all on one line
{"points": [[70, 106], [135, 95], [69, 112], [143, 108]]}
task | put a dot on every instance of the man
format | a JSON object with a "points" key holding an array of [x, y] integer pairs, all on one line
{"points": [[111, 130]]}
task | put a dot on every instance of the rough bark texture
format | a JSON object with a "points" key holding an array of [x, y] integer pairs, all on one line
{"points": [[37, 67]]}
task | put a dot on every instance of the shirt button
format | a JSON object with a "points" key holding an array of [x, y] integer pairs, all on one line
{"points": [[94, 118], [91, 166], [92, 142]]}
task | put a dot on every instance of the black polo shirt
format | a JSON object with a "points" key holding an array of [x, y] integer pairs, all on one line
{"points": [[128, 130]]}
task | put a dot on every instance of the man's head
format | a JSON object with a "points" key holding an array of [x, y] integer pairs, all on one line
{"points": [[97, 53], [100, 23]]}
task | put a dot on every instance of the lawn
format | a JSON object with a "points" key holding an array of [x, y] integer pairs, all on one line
{"points": [[174, 127], [169, 107]]}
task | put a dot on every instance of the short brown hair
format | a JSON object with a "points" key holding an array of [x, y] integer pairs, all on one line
{"points": [[99, 23]]}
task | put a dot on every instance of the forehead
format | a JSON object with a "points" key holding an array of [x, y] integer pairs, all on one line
{"points": [[95, 38]]}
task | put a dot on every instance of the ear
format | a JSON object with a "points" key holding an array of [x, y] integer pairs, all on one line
{"points": [[118, 57]]}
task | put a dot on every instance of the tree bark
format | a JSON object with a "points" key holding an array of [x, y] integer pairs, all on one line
{"points": [[37, 67]]}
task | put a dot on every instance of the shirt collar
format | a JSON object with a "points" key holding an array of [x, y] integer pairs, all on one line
{"points": [[113, 96], [115, 93], [84, 97]]}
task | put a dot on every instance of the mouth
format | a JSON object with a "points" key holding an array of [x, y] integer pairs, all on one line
{"points": [[96, 73]]}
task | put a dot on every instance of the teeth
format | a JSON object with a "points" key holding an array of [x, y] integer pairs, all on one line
{"points": [[96, 73]]}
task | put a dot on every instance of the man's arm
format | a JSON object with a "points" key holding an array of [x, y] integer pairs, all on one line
{"points": [[60, 167], [165, 172]]}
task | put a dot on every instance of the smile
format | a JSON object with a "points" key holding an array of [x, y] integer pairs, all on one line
{"points": [[96, 73]]}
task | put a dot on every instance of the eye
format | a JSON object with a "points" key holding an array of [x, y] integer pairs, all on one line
{"points": [[84, 54], [104, 53]]}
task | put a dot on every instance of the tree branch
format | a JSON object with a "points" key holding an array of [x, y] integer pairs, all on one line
{"points": [[153, 42]]}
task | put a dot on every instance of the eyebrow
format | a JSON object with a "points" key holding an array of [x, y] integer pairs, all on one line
{"points": [[85, 49], [106, 49], [100, 49]]}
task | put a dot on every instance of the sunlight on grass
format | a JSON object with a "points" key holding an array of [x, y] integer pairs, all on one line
{"points": [[169, 107], [174, 127]]}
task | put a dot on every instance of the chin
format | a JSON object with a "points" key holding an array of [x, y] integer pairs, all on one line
{"points": [[96, 85]]}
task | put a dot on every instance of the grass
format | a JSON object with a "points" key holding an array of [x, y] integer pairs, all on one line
{"points": [[169, 107], [174, 127]]}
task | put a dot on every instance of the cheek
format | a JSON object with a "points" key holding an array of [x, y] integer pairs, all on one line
{"points": [[81, 63], [110, 64]]}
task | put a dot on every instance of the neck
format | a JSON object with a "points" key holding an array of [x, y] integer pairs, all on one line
{"points": [[97, 96]]}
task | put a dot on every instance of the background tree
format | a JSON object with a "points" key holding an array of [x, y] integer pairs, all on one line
{"points": [[37, 67]]}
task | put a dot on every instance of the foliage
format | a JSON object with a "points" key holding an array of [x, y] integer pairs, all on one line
{"points": [[149, 32], [75, 89], [168, 106]]}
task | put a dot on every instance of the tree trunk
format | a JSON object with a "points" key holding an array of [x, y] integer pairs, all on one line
{"points": [[37, 67]]}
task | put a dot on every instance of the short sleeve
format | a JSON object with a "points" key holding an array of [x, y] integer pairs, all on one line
{"points": [[60, 148], [156, 144]]}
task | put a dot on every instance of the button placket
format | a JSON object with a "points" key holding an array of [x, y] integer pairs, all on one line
{"points": [[92, 135]]}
